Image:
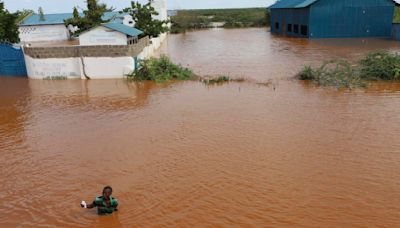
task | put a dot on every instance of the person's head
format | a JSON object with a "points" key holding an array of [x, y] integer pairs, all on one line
{"points": [[107, 192]]}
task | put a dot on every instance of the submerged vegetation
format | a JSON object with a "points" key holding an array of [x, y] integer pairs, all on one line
{"points": [[380, 65], [163, 70], [220, 80], [227, 18], [160, 70]]}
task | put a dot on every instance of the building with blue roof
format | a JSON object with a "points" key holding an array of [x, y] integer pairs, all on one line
{"points": [[110, 34], [332, 18], [52, 28]]}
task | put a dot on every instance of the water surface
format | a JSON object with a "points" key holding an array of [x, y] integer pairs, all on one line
{"points": [[185, 154]]}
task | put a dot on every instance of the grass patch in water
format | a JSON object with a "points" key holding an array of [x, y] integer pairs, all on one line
{"points": [[338, 73], [220, 80], [160, 70], [380, 65]]}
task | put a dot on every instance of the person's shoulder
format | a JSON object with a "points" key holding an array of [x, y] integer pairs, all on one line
{"points": [[114, 200], [99, 199]]}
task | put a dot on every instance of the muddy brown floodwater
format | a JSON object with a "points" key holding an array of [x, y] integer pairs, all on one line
{"points": [[184, 154]]}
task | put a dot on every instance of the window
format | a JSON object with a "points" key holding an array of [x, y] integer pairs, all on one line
{"points": [[289, 27], [276, 25], [296, 28], [304, 30]]}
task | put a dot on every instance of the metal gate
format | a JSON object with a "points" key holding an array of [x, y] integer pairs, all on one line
{"points": [[12, 62]]}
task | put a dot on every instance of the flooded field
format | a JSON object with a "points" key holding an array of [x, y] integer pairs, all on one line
{"points": [[185, 154], [256, 54]]}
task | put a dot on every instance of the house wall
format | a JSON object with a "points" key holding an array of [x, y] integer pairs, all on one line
{"points": [[283, 19], [102, 36], [87, 51], [53, 67], [75, 68], [351, 18], [97, 62], [41, 33], [150, 50], [396, 31]]}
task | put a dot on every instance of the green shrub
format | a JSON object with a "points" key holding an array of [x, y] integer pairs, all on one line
{"points": [[233, 18], [380, 65], [307, 73], [338, 73], [217, 80], [160, 70]]}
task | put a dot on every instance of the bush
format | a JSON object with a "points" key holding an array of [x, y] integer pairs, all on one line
{"points": [[338, 73], [380, 65], [307, 73], [233, 18], [217, 80], [160, 70]]}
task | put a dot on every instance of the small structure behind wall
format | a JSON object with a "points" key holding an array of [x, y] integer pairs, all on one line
{"points": [[110, 34]]}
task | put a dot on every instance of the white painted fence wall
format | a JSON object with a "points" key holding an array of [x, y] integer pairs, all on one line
{"points": [[150, 50], [72, 68]]}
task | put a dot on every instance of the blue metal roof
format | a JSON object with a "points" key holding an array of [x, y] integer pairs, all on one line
{"points": [[286, 4], [123, 29], [55, 19], [290, 4], [50, 19]]}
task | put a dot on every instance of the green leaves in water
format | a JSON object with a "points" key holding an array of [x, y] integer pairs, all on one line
{"points": [[340, 73], [160, 70], [380, 65]]}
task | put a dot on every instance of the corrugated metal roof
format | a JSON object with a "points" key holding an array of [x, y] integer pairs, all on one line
{"points": [[55, 19], [50, 19], [285, 4], [123, 29], [289, 4]]}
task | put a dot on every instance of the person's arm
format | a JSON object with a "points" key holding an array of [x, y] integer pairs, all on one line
{"points": [[115, 205], [88, 206]]}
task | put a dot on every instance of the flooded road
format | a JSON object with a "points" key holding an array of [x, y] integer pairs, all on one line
{"points": [[186, 154]]}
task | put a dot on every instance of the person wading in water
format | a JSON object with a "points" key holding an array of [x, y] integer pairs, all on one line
{"points": [[106, 204]]}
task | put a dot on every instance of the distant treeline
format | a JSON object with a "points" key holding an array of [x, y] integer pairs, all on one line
{"points": [[229, 18]]}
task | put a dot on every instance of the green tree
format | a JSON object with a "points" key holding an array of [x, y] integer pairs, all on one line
{"points": [[92, 15], [41, 14], [143, 15], [8, 25], [22, 14], [75, 13]]}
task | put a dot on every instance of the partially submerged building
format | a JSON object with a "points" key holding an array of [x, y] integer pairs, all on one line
{"points": [[332, 18], [110, 50], [51, 27], [110, 34], [107, 51]]}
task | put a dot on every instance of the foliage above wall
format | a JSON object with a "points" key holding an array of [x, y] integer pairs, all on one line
{"points": [[143, 15], [92, 16], [8, 25]]}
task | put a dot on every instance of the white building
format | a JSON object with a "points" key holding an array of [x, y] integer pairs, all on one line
{"points": [[110, 34], [32, 29], [53, 29], [161, 7], [110, 50]]}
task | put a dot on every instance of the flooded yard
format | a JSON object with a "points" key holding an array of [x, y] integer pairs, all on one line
{"points": [[186, 154]]}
